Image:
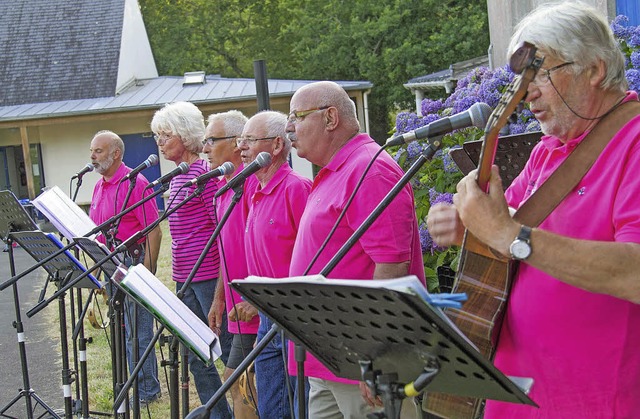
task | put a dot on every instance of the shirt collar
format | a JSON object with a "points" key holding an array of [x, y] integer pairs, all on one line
{"points": [[277, 179], [553, 143], [118, 175], [347, 150]]}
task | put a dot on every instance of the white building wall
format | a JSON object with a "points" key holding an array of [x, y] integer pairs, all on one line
{"points": [[504, 15]]}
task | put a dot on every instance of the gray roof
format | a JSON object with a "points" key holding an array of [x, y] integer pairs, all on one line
{"points": [[56, 50], [154, 93], [452, 74]]}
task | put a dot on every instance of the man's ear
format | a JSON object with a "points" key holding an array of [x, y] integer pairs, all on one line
{"points": [[278, 145], [331, 118]]}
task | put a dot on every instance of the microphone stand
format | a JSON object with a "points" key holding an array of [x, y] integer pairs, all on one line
{"points": [[78, 184], [119, 249], [173, 388], [102, 227], [203, 412]]}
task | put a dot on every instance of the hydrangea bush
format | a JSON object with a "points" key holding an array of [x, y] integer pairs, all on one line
{"points": [[437, 179], [629, 41]]}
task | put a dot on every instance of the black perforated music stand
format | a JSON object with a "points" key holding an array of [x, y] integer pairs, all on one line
{"points": [[43, 245], [400, 333], [511, 156], [97, 252], [13, 219]]}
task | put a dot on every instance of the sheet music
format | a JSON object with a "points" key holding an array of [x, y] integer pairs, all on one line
{"points": [[171, 311], [70, 220]]}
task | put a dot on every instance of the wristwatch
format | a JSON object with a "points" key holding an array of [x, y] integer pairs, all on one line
{"points": [[520, 249]]}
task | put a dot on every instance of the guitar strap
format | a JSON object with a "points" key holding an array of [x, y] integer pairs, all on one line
{"points": [[572, 170]]}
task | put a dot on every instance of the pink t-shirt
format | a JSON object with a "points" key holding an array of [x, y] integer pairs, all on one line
{"points": [[192, 225], [393, 237], [272, 223], [107, 200], [581, 348], [233, 262]]}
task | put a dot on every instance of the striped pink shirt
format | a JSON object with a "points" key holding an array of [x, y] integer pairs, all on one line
{"points": [[192, 225]]}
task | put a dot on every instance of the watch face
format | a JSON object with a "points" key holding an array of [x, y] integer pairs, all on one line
{"points": [[520, 249]]}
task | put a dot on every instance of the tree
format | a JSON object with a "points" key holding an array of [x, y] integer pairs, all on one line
{"points": [[386, 43]]}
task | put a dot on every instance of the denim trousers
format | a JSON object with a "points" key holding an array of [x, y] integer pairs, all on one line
{"points": [[198, 297], [272, 379], [148, 384]]}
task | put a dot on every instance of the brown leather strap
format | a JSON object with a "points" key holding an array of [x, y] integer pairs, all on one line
{"points": [[566, 177]]}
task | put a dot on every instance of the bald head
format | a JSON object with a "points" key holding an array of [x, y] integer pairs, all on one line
{"points": [[107, 149], [322, 120]]}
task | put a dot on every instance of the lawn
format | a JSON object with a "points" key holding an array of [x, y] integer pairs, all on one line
{"points": [[99, 355]]}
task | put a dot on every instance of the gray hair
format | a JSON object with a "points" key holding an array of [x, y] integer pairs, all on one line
{"points": [[574, 32], [183, 119], [116, 141], [233, 121], [276, 123]]}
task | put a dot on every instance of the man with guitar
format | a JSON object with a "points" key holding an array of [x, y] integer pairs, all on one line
{"points": [[573, 314]]}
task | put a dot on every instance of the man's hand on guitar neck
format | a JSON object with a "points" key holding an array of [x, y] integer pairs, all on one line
{"points": [[486, 216]]}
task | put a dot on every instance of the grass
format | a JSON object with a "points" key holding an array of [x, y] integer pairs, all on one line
{"points": [[99, 354]]}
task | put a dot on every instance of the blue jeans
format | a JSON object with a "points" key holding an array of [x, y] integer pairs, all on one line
{"points": [[272, 379], [198, 297], [148, 384]]}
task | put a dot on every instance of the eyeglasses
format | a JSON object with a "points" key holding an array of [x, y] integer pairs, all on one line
{"points": [[297, 116], [252, 141], [544, 75], [211, 140], [161, 139]]}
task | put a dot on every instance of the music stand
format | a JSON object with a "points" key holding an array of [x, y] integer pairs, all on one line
{"points": [[98, 252], [14, 218], [511, 156], [64, 267], [399, 333]]}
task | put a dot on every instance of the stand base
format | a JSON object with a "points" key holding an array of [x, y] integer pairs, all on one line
{"points": [[29, 395]]}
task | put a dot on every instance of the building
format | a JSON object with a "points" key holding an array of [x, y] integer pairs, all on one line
{"points": [[70, 69]]}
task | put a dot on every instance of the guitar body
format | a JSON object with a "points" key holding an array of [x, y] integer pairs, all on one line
{"points": [[482, 275], [486, 280]]}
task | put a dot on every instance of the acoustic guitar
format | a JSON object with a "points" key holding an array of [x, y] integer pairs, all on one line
{"points": [[482, 275]]}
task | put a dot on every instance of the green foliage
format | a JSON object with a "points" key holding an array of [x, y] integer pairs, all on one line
{"points": [[387, 43]]}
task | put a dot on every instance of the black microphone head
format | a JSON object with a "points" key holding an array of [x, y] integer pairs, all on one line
{"points": [[227, 168], [90, 167], [263, 159], [479, 113], [152, 160], [184, 167]]}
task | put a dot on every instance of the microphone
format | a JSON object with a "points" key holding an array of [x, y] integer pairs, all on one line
{"points": [[182, 168], [224, 169], [263, 159], [477, 116], [88, 168], [152, 160]]}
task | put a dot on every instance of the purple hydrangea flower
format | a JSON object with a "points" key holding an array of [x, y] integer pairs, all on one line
{"points": [[634, 37], [430, 106], [635, 59], [447, 161], [633, 77], [436, 197]]}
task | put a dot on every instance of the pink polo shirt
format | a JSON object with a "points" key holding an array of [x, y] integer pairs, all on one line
{"points": [[233, 262], [107, 200], [272, 223], [392, 238], [581, 348]]}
